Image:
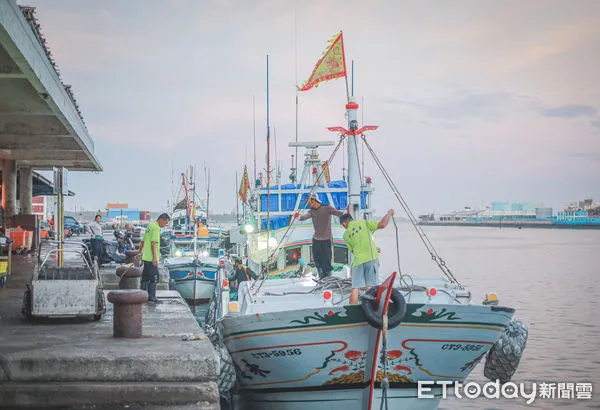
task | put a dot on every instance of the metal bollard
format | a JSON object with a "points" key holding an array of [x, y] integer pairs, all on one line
{"points": [[129, 276], [127, 317], [134, 257]]}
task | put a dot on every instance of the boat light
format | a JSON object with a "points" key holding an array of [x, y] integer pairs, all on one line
{"points": [[491, 299], [178, 253], [314, 171], [205, 253], [222, 262], [327, 295], [234, 307], [369, 180], [225, 283], [248, 228], [431, 292]]}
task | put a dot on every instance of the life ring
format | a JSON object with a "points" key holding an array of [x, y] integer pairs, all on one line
{"points": [[396, 308], [503, 358]]}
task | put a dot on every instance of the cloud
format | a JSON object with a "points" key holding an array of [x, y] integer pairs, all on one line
{"points": [[453, 110], [569, 111], [591, 156], [596, 123]]}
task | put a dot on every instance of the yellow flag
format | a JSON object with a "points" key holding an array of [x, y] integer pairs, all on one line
{"points": [[325, 167], [244, 186], [331, 65]]}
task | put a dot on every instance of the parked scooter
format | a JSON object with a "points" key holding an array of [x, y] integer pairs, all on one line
{"points": [[110, 252], [124, 240]]}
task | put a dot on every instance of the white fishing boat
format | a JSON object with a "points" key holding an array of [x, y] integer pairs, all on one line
{"points": [[192, 256], [289, 251], [296, 343]]}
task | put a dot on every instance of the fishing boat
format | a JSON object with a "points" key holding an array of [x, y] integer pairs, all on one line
{"points": [[296, 343], [192, 250], [271, 209]]}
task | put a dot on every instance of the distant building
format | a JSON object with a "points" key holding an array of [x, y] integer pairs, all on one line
{"points": [[116, 205], [123, 215]]}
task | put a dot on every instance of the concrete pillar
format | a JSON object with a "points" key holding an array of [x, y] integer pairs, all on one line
{"points": [[25, 190], [9, 187]]}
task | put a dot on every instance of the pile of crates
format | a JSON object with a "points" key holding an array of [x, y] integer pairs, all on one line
{"points": [[21, 239]]}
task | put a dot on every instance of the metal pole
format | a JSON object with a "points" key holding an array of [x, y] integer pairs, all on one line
{"points": [[237, 202], [254, 128], [268, 169]]}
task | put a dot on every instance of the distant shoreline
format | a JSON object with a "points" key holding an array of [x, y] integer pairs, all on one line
{"points": [[512, 224]]}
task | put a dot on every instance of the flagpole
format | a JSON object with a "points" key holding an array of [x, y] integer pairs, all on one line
{"points": [[345, 71]]}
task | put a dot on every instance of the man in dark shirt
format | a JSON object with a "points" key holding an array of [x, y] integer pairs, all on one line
{"points": [[241, 273], [322, 238]]}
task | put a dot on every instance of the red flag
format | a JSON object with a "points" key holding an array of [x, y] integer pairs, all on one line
{"points": [[331, 65], [244, 186]]}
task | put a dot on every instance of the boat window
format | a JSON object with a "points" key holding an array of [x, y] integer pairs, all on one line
{"points": [[292, 255], [340, 254]]}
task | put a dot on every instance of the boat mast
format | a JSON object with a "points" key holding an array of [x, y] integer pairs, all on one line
{"points": [[254, 138], [353, 164], [268, 168]]}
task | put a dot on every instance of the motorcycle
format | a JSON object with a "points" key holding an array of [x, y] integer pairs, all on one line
{"points": [[110, 252], [124, 240]]}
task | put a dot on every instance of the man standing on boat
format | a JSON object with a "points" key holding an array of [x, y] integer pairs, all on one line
{"points": [[322, 238], [241, 273], [359, 238], [149, 248]]}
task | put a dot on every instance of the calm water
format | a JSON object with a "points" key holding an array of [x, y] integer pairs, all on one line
{"points": [[550, 276]]}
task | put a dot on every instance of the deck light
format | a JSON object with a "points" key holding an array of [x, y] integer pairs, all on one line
{"points": [[248, 228], [432, 292], [327, 295]]}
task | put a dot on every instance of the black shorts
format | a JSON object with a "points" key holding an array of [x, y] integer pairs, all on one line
{"points": [[150, 272]]}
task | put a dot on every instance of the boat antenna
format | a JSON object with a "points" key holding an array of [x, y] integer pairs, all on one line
{"points": [[362, 122], [295, 165], [268, 167], [207, 183], [254, 133], [352, 71], [237, 202], [346, 76]]}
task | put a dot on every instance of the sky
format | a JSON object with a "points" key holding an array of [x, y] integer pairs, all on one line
{"points": [[475, 101]]}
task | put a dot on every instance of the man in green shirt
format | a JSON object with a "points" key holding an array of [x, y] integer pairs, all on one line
{"points": [[150, 250], [359, 238]]}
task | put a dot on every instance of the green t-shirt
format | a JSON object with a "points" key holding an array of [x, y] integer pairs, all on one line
{"points": [[359, 238], [152, 235]]}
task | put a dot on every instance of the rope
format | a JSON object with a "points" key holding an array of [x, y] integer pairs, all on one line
{"points": [[264, 275], [385, 383], [428, 245]]}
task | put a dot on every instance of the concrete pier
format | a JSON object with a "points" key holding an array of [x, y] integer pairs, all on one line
{"points": [[70, 363]]}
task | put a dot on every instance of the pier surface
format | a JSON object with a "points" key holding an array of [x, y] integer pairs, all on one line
{"points": [[76, 363]]}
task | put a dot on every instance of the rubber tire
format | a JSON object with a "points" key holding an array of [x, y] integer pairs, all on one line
{"points": [[503, 358], [396, 309]]}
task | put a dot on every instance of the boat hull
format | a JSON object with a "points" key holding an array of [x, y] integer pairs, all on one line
{"points": [[284, 359], [186, 281]]}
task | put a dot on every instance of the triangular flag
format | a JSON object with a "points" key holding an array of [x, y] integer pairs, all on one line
{"points": [[331, 65]]}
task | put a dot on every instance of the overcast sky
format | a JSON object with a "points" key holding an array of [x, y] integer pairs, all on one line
{"points": [[476, 101]]}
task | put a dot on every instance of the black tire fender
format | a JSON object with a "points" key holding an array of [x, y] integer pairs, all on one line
{"points": [[396, 308]]}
